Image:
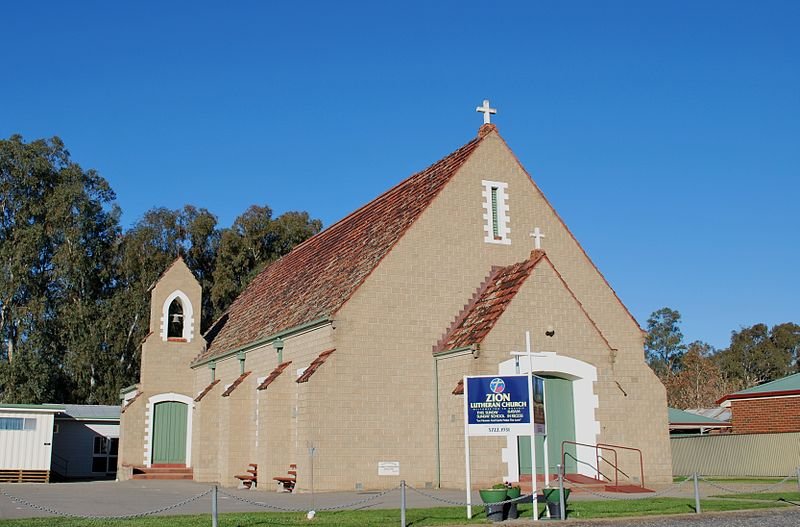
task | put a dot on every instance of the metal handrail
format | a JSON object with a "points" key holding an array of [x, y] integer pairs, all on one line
{"points": [[598, 449], [596, 469], [597, 457], [641, 457]]}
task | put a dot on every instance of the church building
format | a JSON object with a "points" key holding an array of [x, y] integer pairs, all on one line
{"points": [[347, 355]]}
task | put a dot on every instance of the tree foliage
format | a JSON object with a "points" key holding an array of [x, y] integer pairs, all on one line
{"points": [[700, 382], [58, 227], [758, 354], [664, 342], [75, 289]]}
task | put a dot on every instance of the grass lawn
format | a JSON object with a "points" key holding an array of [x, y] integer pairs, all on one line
{"points": [[726, 479], [415, 517], [768, 496]]}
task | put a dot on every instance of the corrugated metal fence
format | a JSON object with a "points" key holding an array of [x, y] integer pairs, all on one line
{"points": [[736, 454]]}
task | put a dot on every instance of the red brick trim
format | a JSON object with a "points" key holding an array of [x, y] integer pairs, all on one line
{"points": [[236, 384], [314, 366], [205, 391], [274, 375], [459, 389], [758, 395]]}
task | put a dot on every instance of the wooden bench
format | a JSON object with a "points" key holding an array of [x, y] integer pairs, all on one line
{"points": [[251, 478], [288, 482]]}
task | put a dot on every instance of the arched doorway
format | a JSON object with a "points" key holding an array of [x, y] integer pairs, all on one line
{"points": [[169, 430], [571, 406]]}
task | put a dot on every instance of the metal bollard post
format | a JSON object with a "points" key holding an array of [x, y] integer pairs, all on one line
{"points": [[403, 503], [214, 510], [696, 495], [798, 478], [562, 506]]}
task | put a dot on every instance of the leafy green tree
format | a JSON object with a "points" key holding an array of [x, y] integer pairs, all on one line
{"points": [[758, 354], [664, 345], [254, 241], [58, 226]]}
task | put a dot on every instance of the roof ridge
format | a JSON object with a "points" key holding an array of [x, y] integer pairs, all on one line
{"points": [[321, 274], [392, 190]]}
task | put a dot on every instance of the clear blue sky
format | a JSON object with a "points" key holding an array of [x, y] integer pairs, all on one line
{"points": [[666, 133]]}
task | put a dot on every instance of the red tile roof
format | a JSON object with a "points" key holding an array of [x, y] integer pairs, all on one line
{"points": [[239, 380], [492, 298], [490, 301], [314, 366], [274, 375], [459, 389], [321, 274]]}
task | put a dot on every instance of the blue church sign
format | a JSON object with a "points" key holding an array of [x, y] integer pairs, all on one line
{"points": [[500, 405]]}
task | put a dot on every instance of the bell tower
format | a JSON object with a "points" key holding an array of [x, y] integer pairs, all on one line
{"points": [[174, 338]]}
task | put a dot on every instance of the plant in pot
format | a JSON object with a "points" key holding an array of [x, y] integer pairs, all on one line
{"points": [[493, 499], [553, 500]]}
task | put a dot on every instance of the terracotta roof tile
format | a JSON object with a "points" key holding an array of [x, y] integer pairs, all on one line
{"points": [[490, 301], [205, 391], [239, 380], [459, 389], [274, 375], [314, 366], [315, 279]]}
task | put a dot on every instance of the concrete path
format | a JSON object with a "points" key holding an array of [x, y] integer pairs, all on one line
{"points": [[109, 498]]}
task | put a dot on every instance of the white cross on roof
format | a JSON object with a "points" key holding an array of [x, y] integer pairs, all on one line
{"points": [[486, 111], [537, 236]]}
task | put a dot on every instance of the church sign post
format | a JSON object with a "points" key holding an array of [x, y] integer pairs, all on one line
{"points": [[499, 405]]}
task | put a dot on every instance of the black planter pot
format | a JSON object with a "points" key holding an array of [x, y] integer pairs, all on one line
{"points": [[554, 507], [510, 510], [494, 512]]}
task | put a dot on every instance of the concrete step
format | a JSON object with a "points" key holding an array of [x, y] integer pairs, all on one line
{"points": [[163, 472]]}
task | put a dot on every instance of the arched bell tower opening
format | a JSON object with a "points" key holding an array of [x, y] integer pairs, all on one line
{"points": [[177, 318]]}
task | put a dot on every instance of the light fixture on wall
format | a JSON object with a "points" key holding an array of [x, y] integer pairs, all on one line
{"points": [[475, 350], [550, 331]]}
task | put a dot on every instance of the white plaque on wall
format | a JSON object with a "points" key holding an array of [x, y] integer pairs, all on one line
{"points": [[388, 468]]}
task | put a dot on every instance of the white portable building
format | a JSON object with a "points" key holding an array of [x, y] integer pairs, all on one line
{"points": [[26, 441]]}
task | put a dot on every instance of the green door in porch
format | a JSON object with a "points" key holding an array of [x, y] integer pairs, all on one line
{"points": [[560, 412], [169, 433]]}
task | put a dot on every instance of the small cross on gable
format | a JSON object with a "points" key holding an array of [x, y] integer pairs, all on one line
{"points": [[486, 111], [537, 236]]}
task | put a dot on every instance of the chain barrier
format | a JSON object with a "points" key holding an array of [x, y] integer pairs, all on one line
{"points": [[318, 509], [522, 498], [109, 517], [766, 488], [464, 504], [663, 492]]}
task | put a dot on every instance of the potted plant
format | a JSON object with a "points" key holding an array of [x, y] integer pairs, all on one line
{"points": [[552, 498], [510, 510], [493, 499]]}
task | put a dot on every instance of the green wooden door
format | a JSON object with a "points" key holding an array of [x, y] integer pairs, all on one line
{"points": [[560, 412], [169, 433]]}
